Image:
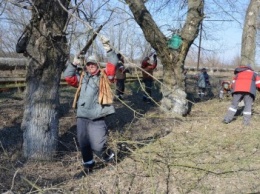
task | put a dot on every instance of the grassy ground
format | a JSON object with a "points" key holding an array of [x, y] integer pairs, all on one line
{"points": [[197, 154]]}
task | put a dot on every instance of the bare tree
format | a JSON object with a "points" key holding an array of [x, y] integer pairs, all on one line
{"points": [[248, 49], [174, 96], [47, 54]]}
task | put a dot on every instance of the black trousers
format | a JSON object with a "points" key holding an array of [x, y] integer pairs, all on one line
{"points": [[120, 86]]}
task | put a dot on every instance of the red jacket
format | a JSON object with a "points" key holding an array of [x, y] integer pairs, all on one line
{"points": [[148, 67], [245, 80]]}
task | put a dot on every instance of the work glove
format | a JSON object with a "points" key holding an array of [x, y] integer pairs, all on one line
{"points": [[76, 61], [79, 60], [106, 43]]}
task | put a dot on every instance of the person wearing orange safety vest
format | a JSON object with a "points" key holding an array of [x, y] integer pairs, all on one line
{"points": [[244, 86]]}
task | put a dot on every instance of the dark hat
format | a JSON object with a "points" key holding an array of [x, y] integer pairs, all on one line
{"points": [[119, 55]]}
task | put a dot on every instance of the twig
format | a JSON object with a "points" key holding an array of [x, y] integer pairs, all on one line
{"points": [[13, 179], [21, 6]]}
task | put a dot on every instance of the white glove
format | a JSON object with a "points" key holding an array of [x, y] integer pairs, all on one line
{"points": [[79, 60], [81, 56], [106, 43], [76, 61]]}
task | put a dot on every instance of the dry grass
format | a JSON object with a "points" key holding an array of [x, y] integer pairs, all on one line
{"points": [[201, 155], [197, 154]]}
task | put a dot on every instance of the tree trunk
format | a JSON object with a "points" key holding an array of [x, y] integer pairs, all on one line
{"points": [[248, 49], [174, 96], [47, 51]]}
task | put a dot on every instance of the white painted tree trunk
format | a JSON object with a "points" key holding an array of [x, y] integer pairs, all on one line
{"points": [[47, 52]]}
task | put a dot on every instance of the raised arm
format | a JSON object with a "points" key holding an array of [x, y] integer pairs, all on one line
{"points": [[71, 73]]}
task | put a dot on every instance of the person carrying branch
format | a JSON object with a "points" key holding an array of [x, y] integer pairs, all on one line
{"points": [[244, 85], [93, 100], [147, 72]]}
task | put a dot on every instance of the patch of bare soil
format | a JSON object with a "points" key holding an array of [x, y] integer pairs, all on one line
{"points": [[155, 153]]}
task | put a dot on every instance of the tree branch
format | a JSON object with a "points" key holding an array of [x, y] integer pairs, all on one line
{"points": [[27, 7]]}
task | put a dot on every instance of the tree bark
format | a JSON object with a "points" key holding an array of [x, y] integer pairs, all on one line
{"points": [[174, 96], [248, 49], [47, 54]]}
